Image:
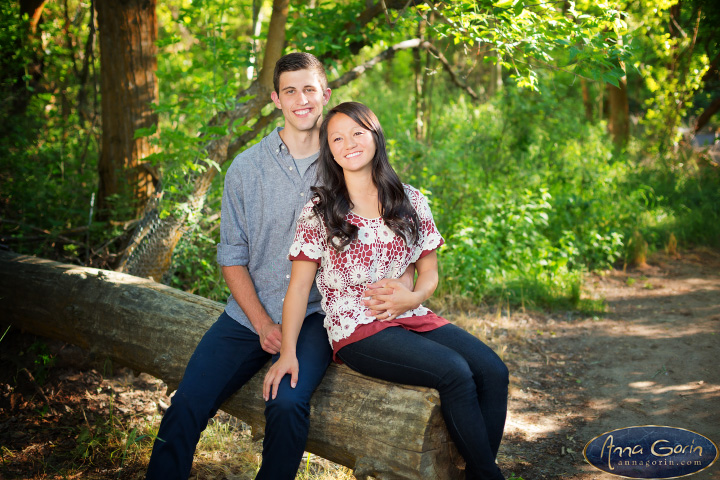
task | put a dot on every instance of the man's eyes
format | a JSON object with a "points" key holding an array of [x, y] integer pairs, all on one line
{"points": [[307, 90]]}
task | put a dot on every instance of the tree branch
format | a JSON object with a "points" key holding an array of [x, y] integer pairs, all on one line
{"points": [[704, 118], [388, 53], [448, 68]]}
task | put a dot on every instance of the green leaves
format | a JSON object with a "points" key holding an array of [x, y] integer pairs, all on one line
{"points": [[532, 36]]}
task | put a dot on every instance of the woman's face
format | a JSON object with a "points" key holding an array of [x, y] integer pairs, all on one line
{"points": [[352, 145]]}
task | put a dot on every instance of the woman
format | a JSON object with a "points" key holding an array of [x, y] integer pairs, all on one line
{"points": [[364, 225]]}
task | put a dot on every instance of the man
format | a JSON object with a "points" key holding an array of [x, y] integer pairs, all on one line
{"points": [[265, 189]]}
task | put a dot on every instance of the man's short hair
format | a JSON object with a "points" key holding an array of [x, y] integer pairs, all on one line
{"points": [[293, 62]]}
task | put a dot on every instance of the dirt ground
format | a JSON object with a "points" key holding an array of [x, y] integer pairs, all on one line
{"points": [[651, 358]]}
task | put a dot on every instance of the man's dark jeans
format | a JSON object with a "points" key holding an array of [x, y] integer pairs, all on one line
{"points": [[228, 355], [471, 379]]}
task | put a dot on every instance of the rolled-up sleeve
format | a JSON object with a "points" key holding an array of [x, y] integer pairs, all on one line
{"points": [[233, 247]]}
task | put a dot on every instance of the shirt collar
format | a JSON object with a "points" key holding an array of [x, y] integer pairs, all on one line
{"points": [[275, 139], [277, 144]]}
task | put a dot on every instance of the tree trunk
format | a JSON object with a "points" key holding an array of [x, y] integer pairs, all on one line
{"points": [[275, 42], [587, 103], [619, 111], [419, 85], [33, 9], [128, 33], [378, 428]]}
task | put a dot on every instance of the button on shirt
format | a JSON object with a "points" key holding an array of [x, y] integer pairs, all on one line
{"points": [[265, 191]]}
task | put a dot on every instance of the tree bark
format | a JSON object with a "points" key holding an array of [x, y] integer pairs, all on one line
{"points": [[128, 34], [33, 9], [275, 42], [587, 103], [377, 428], [419, 77], [619, 111]]}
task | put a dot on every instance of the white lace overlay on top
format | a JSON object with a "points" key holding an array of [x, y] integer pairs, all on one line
{"points": [[376, 254]]}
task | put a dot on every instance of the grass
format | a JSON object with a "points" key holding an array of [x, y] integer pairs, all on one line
{"points": [[225, 450]]}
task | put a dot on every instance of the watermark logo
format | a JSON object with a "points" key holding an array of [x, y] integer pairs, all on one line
{"points": [[651, 451]]}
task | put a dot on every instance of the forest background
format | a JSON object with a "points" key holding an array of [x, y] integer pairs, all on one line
{"points": [[552, 138]]}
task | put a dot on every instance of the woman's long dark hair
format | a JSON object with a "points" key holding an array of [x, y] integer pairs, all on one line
{"points": [[333, 200]]}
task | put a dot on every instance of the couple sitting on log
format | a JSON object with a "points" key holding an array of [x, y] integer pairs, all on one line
{"points": [[319, 234]]}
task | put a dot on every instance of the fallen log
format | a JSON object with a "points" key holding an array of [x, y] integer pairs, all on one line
{"points": [[378, 429]]}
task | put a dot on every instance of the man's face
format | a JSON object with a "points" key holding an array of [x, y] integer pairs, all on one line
{"points": [[301, 99]]}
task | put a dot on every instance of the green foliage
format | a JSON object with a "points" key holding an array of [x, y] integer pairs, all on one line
{"points": [[674, 41], [194, 268], [204, 54], [43, 361], [528, 193], [682, 199], [526, 36], [48, 150]]}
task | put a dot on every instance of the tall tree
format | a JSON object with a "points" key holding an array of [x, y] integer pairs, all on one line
{"points": [[128, 34], [619, 109]]}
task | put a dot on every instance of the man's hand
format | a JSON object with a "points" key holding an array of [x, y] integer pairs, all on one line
{"points": [[285, 364], [389, 298], [270, 337]]}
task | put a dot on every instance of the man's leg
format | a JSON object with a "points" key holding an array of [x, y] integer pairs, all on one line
{"points": [[288, 415], [228, 355]]}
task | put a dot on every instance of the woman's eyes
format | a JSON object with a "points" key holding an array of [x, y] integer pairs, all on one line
{"points": [[356, 134]]}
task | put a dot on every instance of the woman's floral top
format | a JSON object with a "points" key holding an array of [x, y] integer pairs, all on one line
{"points": [[377, 253]]}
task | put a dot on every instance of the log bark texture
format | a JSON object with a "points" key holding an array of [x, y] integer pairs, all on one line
{"points": [[385, 430]]}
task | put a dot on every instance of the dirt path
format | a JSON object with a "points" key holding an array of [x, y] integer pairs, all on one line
{"points": [[652, 359]]}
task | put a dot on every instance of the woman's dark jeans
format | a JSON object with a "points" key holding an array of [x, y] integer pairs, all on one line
{"points": [[471, 378]]}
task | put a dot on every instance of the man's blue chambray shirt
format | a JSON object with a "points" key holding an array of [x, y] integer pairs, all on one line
{"points": [[263, 196]]}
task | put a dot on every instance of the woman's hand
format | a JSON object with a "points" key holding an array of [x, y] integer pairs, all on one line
{"points": [[285, 364], [389, 298]]}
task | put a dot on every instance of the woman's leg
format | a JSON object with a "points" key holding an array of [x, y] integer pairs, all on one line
{"points": [[490, 374], [397, 355]]}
